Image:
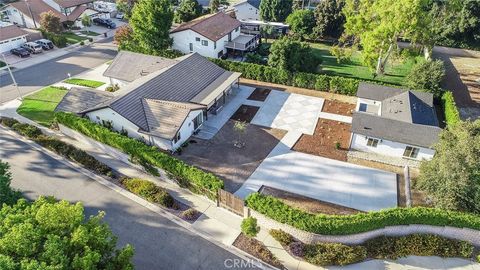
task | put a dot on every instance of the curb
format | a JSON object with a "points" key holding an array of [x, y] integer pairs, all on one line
{"points": [[150, 206]]}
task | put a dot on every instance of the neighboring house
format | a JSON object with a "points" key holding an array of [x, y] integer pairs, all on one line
{"points": [[129, 66], [28, 13], [394, 122], [247, 10], [163, 108], [212, 36], [11, 36]]}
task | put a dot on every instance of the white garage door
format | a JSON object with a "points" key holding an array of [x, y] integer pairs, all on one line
{"points": [[7, 45]]}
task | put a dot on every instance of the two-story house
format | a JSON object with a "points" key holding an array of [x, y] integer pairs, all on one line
{"points": [[28, 13], [247, 10], [394, 122], [212, 36]]}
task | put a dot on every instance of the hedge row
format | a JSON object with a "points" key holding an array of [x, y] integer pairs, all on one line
{"points": [[335, 84], [187, 176], [452, 115], [149, 191], [358, 223]]}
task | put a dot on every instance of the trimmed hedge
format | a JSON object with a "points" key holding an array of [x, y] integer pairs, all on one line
{"points": [[452, 115], [149, 191], [187, 176], [325, 254], [358, 223], [319, 82]]}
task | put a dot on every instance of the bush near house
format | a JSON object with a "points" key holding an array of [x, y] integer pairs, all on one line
{"points": [[249, 226], [358, 223], [149, 191], [187, 176], [452, 115]]}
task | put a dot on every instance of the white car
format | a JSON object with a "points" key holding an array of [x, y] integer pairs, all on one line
{"points": [[120, 16]]}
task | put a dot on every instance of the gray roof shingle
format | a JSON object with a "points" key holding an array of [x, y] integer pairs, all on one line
{"points": [[79, 99], [376, 91], [213, 27], [411, 107]]}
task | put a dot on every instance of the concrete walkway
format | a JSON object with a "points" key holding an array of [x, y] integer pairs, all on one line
{"points": [[336, 117]]}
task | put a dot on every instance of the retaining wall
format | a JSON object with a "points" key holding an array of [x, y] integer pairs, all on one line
{"points": [[463, 234]]}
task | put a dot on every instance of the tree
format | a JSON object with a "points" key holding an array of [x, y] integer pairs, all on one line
{"points": [[301, 22], [292, 55], [267, 31], [124, 38], [126, 6], [240, 128], [50, 22], [329, 18], [452, 178], [86, 20], [378, 24], [47, 234], [7, 194], [151, 22], [427, 75], [215, 5], [275, 10], [187, 11]]}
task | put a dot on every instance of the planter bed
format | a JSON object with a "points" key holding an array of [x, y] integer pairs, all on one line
{"points": [[257, 249], [259, 94], [245, 113], [338, 107]]}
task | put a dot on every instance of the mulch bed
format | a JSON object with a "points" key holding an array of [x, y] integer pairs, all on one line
{"points": [[308, 204], [245, 113], [259, 94], [322, 142], [257, 249], [338, 107]]}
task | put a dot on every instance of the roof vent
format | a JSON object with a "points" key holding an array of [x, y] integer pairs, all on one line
{"points": [[144, 73]]}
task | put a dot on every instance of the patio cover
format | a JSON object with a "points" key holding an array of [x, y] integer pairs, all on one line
{"points": [[216, 88]]}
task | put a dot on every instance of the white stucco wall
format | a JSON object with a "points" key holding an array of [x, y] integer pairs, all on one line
{"points": [[182, 40], [16, 17], [245, 11], [187, 130], [8, 44], [389, 148]]}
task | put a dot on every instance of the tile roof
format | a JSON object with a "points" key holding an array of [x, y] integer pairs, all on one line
{"points": [[71, 3], [213, 27], [76, 13], [165, 118], [394, 130], [129, 66], [37, 7], [11, 31], [79, 99]]}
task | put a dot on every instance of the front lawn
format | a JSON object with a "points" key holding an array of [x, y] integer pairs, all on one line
{"points": [[84, 82], [39, 106], [72, 37]]}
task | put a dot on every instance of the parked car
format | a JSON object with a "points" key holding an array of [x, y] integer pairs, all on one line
{"points": [[120, 16], [104, 22], [32, 47], [45, 43], [20, 52]]}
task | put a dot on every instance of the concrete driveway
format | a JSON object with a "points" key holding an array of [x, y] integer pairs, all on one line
{"points": [[323, 179]]}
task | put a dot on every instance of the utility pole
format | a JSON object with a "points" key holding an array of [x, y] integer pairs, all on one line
{"points": [[7, 66], [31, 14]]}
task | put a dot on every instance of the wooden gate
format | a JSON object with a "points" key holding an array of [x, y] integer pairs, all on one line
{"points": [[231, 202]]}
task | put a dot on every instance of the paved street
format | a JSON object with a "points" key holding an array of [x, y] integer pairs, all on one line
{"points": [[49, 72], [159, 243]]}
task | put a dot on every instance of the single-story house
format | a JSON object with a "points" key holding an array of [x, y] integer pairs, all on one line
{"points": [[28, 13], [212, 36], [247, 10], [394, 122], [163, 108], [11, 36], [129, 66]]}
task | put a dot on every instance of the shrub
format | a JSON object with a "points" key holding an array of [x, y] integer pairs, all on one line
{"points": [[282, 237], [112, 88], [358, 223], [149, 191], [82, 43], [324, 254], [387, 247], [322, 83], [8, 122], [427, 76], [27, 130], [59, 40], [187, 176], [249, 226], [343, 55], [297, 249], [452, 115], [189, 214], [90, 39], [478, 258]]}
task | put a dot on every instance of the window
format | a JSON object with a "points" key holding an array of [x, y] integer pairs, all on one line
{"points": [[205, 42], [191, 47], [372, 142], [411, 152], [177, 138], [197, 39], [197, 121], [214, 45]]}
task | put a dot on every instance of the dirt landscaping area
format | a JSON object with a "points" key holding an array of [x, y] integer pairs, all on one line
{"points": [[331, 139], [220, 156], [308, 204], [338, 107], [245, 113], [259, 94]]}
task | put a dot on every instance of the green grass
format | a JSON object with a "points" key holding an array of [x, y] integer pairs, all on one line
{"points": [[39, 106], [83, 82], [89, 33], [395, 72], [72, 37]]}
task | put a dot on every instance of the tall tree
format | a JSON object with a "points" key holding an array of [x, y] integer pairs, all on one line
{"points": [[215, 5], [378, 24], [292, 55], [275, 10], [126, 7], [7, 194], [452, 177], [329, 18], [50, 22], [187, 11], [427, 76], [301, 22], [47, 234], [151, 22]]}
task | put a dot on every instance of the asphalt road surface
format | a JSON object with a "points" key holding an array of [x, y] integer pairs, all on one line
{"points": [[158, 242], [40, 75]]}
